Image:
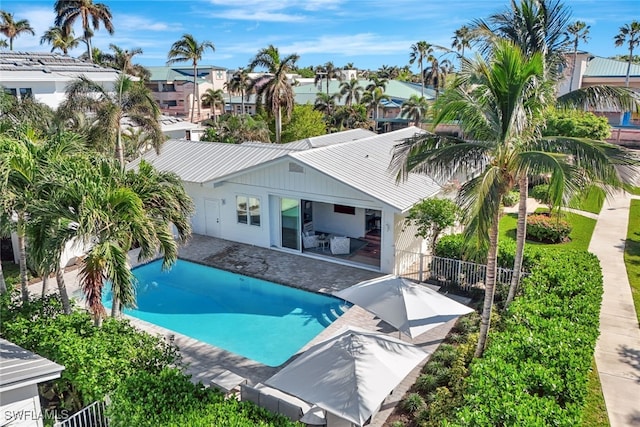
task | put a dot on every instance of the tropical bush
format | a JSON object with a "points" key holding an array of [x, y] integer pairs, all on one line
{"points": [[541, 194], [170, 399], [535, 369], [511, 198], [547, 229], [576, 123]]}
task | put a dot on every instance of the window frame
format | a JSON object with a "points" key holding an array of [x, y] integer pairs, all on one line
{"points": [[249, 202]]}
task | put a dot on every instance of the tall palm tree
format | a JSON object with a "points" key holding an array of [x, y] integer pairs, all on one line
{"points": [[372, 99], [122, 59], [274, 88], [497, 111], [325, 103], [415, 108], [12, 29], [239, 83], [327, 72], [91, 15], [436, 74], [352, 91], [214, 99], [462, 39], [577, 31], [420, 52], [188, 49], [60, 38], [130, 100], [630, 34]]}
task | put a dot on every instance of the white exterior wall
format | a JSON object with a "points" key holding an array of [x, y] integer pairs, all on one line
{"points": [[276, 180], [22, 405]]}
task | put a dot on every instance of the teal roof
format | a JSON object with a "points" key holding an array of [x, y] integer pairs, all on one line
{"points": [[397, 90], [604, 67], [182, 73]]}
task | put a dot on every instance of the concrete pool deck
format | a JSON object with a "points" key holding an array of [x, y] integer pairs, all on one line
{"points": [[205, 361]]}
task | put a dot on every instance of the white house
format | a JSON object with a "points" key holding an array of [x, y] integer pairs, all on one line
{"points": [[20, 373], [268, 195], [45, 76]]}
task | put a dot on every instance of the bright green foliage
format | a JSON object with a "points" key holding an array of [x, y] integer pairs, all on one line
{"points": [[576, 123], [170, 399], [549, 229], [632, 253], [511, 198], [96, 360], [541, 194], [305, 122], [432, 216], [412, 403], [590, 200], [534, 372]]}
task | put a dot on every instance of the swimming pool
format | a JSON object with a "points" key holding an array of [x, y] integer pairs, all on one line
{"points": [[259, 320]]}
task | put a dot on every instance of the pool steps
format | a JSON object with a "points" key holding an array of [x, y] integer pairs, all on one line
{"points": [[334, 312]]}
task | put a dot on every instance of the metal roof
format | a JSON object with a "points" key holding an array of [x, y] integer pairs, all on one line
{"points": [[329, 139], [20, 367], [36, 66], [181, 73], [202, 162], [363, 164], [604, 67]]}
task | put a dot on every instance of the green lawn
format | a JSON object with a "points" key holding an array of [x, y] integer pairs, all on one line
{"points": [[633, 190], [632, 253], [591, 201], [580, 235], [595, 411]]}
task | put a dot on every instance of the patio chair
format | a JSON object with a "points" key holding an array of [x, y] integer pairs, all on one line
{"points": [[340, 245], [309, 240]]}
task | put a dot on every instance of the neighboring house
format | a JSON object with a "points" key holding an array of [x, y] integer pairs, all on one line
{"points": [[20, 373], [177, 128], [267, 195], [592, 70], [45, 76], [306, 92], [172, 88]]}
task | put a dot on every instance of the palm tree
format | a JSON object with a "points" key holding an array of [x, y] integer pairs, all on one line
{"points": [[327, 72], [372, 99], [3, 44], [420, 52], [415, 108], [188, 49], [130, 99], [122, 59], [213, 98], [12, 29], [436, 74], [577, 31], [274, 88], [497, 111], [630, 34], [91, 14], [462, 39], [60, 38], [352, 90], [135, 142], [325, 103], [238, 129], [239, 83]]}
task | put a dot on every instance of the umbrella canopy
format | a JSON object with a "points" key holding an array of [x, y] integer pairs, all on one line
{"points": [[411, 308], [349, 374]]}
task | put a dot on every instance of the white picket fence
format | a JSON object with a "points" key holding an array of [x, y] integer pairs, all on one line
{"points": [[447, 271], [89, 416]]}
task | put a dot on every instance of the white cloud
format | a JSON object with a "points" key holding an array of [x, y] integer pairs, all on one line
{"points": [[257, 15], [351, 44], [139, 23]]}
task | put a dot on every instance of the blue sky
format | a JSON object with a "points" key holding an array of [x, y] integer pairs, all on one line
{"points": [[368, 33]]}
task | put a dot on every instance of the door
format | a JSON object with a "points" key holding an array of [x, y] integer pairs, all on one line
{"points": [[290, 223], [212, 217]]}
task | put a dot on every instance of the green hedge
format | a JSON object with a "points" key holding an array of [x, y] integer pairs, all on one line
{"points": [[547, 229], [534, 371], [170, 399]]}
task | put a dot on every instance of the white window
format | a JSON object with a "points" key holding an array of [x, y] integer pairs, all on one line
{"points": [[248, 210]]}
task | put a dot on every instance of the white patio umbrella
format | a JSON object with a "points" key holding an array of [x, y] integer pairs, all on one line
{"points": [[349, 374], [409, 307]]}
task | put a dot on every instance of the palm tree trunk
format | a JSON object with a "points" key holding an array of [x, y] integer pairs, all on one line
{"points": [[421, 80], [45, 284], [22, 248], [626, 79], [490, 286], [575, 63], [87, 39], [115, 307], [196, 101], [10, 43], [521, 233], [62, 290], [3, 284], [278, 125], [242, 101]]}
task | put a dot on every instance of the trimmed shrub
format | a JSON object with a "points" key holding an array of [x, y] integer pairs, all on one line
{"points": [[547, 229], [541, 194], [511, 198], [412, 403], [535, 368]]}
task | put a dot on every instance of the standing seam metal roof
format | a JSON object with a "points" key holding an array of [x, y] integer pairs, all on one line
{"points": [[20, 367], [604, 67]]}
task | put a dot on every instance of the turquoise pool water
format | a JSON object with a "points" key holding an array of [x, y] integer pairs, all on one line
{"points": [[259, 320]]}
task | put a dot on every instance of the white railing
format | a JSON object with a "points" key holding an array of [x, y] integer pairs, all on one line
{"points": [[465, 274], [89, 416]]}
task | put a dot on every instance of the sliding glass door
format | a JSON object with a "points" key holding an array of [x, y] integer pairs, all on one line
{"points": [[290, 223]]}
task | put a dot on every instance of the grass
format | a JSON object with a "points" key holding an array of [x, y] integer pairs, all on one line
{"points": [[590, 201], [632, 253], [580, 235], [633, 190], [595, 411]]}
